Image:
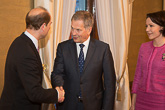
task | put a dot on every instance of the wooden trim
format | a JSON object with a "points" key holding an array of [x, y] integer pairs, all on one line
{"points": [[91, 8]]}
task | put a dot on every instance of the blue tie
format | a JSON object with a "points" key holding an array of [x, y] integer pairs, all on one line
{"points": [[81, 62], [81, 59]]}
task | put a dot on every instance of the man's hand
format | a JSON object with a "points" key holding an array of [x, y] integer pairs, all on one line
{"points": [[61, 94]]}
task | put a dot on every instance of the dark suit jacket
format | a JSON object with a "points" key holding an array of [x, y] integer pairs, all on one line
{"points": [[97, 93], [23, 78]]}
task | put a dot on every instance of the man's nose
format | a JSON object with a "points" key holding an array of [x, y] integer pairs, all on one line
{"points": [[74, 32]]}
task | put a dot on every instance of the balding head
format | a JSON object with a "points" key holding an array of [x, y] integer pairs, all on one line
{"points": [[36, 17]]}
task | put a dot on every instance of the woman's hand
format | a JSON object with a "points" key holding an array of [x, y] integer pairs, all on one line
{"points": [[133, 102], [132, 107]]}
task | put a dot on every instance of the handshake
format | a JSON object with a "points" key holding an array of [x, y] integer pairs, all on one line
{"points": [[61, 94]]}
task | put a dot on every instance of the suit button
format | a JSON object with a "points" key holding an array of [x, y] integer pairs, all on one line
{"points": [[81, 83]]}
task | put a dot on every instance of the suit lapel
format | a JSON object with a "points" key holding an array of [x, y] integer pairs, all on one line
{"points": [[90, 52], [73, 52]]}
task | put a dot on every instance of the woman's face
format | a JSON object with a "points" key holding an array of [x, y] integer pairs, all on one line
{"points": [[153, 30]]}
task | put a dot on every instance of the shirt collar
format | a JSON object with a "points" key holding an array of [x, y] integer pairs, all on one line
{"points": [[86, 43], [34, 40]]}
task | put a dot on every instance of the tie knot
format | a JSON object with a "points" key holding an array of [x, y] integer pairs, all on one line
{"points": [[81, 45]]}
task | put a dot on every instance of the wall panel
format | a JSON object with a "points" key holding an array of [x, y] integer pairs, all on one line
{"points": [[138, 33], [12, 24]]}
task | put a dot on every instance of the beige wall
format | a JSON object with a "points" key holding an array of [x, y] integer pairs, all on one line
{"points": [[12, 24], [138, 34]]}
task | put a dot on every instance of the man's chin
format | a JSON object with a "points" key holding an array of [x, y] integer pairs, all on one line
{"points": [[76, 40]]}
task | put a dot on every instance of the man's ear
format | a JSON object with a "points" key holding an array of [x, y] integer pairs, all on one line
{"points": [[89, 30], [43, 26]]}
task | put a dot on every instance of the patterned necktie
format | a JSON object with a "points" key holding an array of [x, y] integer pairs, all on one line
{"points": [[81, 58]]}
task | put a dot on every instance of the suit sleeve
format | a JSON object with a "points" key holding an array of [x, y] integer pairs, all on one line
{"points": [[58, 70], [109, 80], [30, 73]]}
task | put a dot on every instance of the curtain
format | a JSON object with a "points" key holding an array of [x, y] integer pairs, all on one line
{"points": [[61, 12], [114, 22], [68, 11]]}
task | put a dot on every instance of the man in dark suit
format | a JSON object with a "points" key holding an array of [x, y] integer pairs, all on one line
{"points": [[84, 68], [23, 71]]}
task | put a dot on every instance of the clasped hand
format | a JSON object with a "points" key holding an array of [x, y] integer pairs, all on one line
{"points": [[61, 94]]}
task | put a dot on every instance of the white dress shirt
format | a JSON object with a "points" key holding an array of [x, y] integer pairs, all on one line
{"points": [[34, 40], [85, 49]]}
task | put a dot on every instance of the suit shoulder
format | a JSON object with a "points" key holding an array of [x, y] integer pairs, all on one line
{"points": [[100, 43], [146, 45], [18, 43], [66, 42]]}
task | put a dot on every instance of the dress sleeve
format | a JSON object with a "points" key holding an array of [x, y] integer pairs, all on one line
{"points": [[137, 72]]}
